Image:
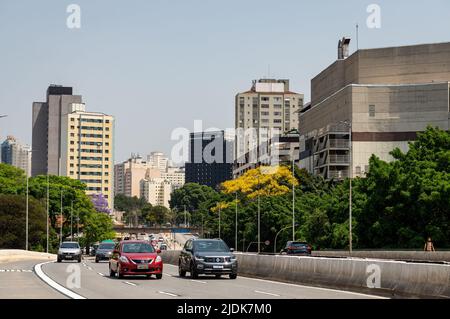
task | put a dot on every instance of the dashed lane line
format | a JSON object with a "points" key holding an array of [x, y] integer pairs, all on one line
{"points": [[129, 283], [168, 294], [266, 293]]}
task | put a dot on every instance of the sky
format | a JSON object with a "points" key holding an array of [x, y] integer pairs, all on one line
{"points": [[158, 65]]}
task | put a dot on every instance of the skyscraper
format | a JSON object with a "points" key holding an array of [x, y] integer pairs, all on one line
{"points": [[69, 141], [210, 159], [16, 154]]}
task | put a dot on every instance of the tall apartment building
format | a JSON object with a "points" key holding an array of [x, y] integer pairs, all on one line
{"points": [[16, 154], [69, 141], [210, 159], [371, 102], [174, 175], [156, 191], [268, 109], [158, 160], [128, 175]]}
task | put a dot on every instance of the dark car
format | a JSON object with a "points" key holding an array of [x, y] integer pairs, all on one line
{"points": [[207, 256], [135, 257], [297, 248], [104, 251]]}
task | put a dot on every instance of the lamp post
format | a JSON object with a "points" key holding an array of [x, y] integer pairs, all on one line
{"points": [[275, 241], [236, 225], [293, 131], [48, 204], [350, 175], [26, 218], [259, 215], [219, 218], [71, 221], [62, 218]]}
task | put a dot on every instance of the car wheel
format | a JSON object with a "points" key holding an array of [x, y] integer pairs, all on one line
{"points": [[58, 260], [218, 275], [96, 260], [79, 259], [181, 272], [158, 276], [233, 276], [194, 274]]}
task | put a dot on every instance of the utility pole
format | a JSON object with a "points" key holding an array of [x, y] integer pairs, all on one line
{"points": [[293, 199], [185, 216], [350, 194], [219, 218], [259, 215]]}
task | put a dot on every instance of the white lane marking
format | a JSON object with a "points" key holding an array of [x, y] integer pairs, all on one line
{"points": [[266, 293], [169, 275], [2, 270], [84, 264], [89, 268], [303, 286], [317, 288], [101, 274], [54, 284], [129, 283], [199, 281], [167, 293]]}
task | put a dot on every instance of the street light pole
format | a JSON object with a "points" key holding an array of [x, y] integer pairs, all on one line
{"points": [[219, 219], [62, 218], [350, 191], [48, 186], [236, 225], [276, 236], [259, 215], [26, 219], [293, 200], [71, 221]]}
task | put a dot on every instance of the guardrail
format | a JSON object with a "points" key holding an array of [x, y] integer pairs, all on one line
{"points": [[373, 276]]}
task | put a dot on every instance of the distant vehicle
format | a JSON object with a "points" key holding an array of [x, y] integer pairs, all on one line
{"points": [[93, 249], [163, 247], [207, 256], [161, 239], [69, 250], [135, 257], [104, 251], [297, 248]]}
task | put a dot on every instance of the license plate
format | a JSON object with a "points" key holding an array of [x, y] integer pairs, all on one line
{"points": [[69, 257], [218, 267], [142, 266]]}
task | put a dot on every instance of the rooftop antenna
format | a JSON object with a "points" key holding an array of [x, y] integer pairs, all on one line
{"points": [[357, 37]]}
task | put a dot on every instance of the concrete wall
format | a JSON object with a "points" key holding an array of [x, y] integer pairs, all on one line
{"points": [[386, 277], [424, 63], [39, 138]]}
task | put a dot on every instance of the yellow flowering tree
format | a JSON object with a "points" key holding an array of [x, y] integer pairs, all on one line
{"points": [[263, 181]]}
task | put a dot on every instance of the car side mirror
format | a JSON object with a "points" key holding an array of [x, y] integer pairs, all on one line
{"points": [[232, 249], [158, 251]]}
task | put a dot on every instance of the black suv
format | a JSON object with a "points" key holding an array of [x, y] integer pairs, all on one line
{"points": [[207, 256]]}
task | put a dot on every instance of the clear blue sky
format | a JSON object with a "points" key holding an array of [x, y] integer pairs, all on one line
{"points": [[157, 65]]}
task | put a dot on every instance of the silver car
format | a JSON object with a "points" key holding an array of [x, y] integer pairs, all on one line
{"points": [[69, 250]]}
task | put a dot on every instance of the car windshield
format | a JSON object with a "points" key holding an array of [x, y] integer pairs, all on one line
{"points": [[211, 245], [70, 245], [137, 248], [106, 246]]}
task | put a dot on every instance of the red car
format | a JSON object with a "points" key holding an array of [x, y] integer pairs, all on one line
{"points": [[135, 257]]}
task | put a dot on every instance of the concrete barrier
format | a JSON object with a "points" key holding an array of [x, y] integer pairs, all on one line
{"points": [[13, 255], [373, 276], [439, 256]]}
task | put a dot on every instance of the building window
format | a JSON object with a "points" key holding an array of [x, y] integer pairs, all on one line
{"points": [[264, 106], [265, 98], [72, 119], [72, 134], [372, 110], [265, 113], [358, 170], [277, 121]]}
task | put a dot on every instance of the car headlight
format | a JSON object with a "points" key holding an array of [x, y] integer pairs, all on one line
{"points": [[199, 258], [233, 258], [158, 259], [124, 259]]}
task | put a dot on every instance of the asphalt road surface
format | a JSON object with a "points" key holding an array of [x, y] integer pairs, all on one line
{"points": [[17, 280], [96, 283]]}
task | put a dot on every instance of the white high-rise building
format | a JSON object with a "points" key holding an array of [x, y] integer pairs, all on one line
{"points": [[158, 160], [16, 154], [156, 191]]}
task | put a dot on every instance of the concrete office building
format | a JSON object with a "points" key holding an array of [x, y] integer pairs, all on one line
{"points": [[210, 158], [16, 154], [69, 141], [174, 175], [370, 103], [268, 105]]}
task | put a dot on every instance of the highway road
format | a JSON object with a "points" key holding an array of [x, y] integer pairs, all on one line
{"points": [[96, 283]]}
